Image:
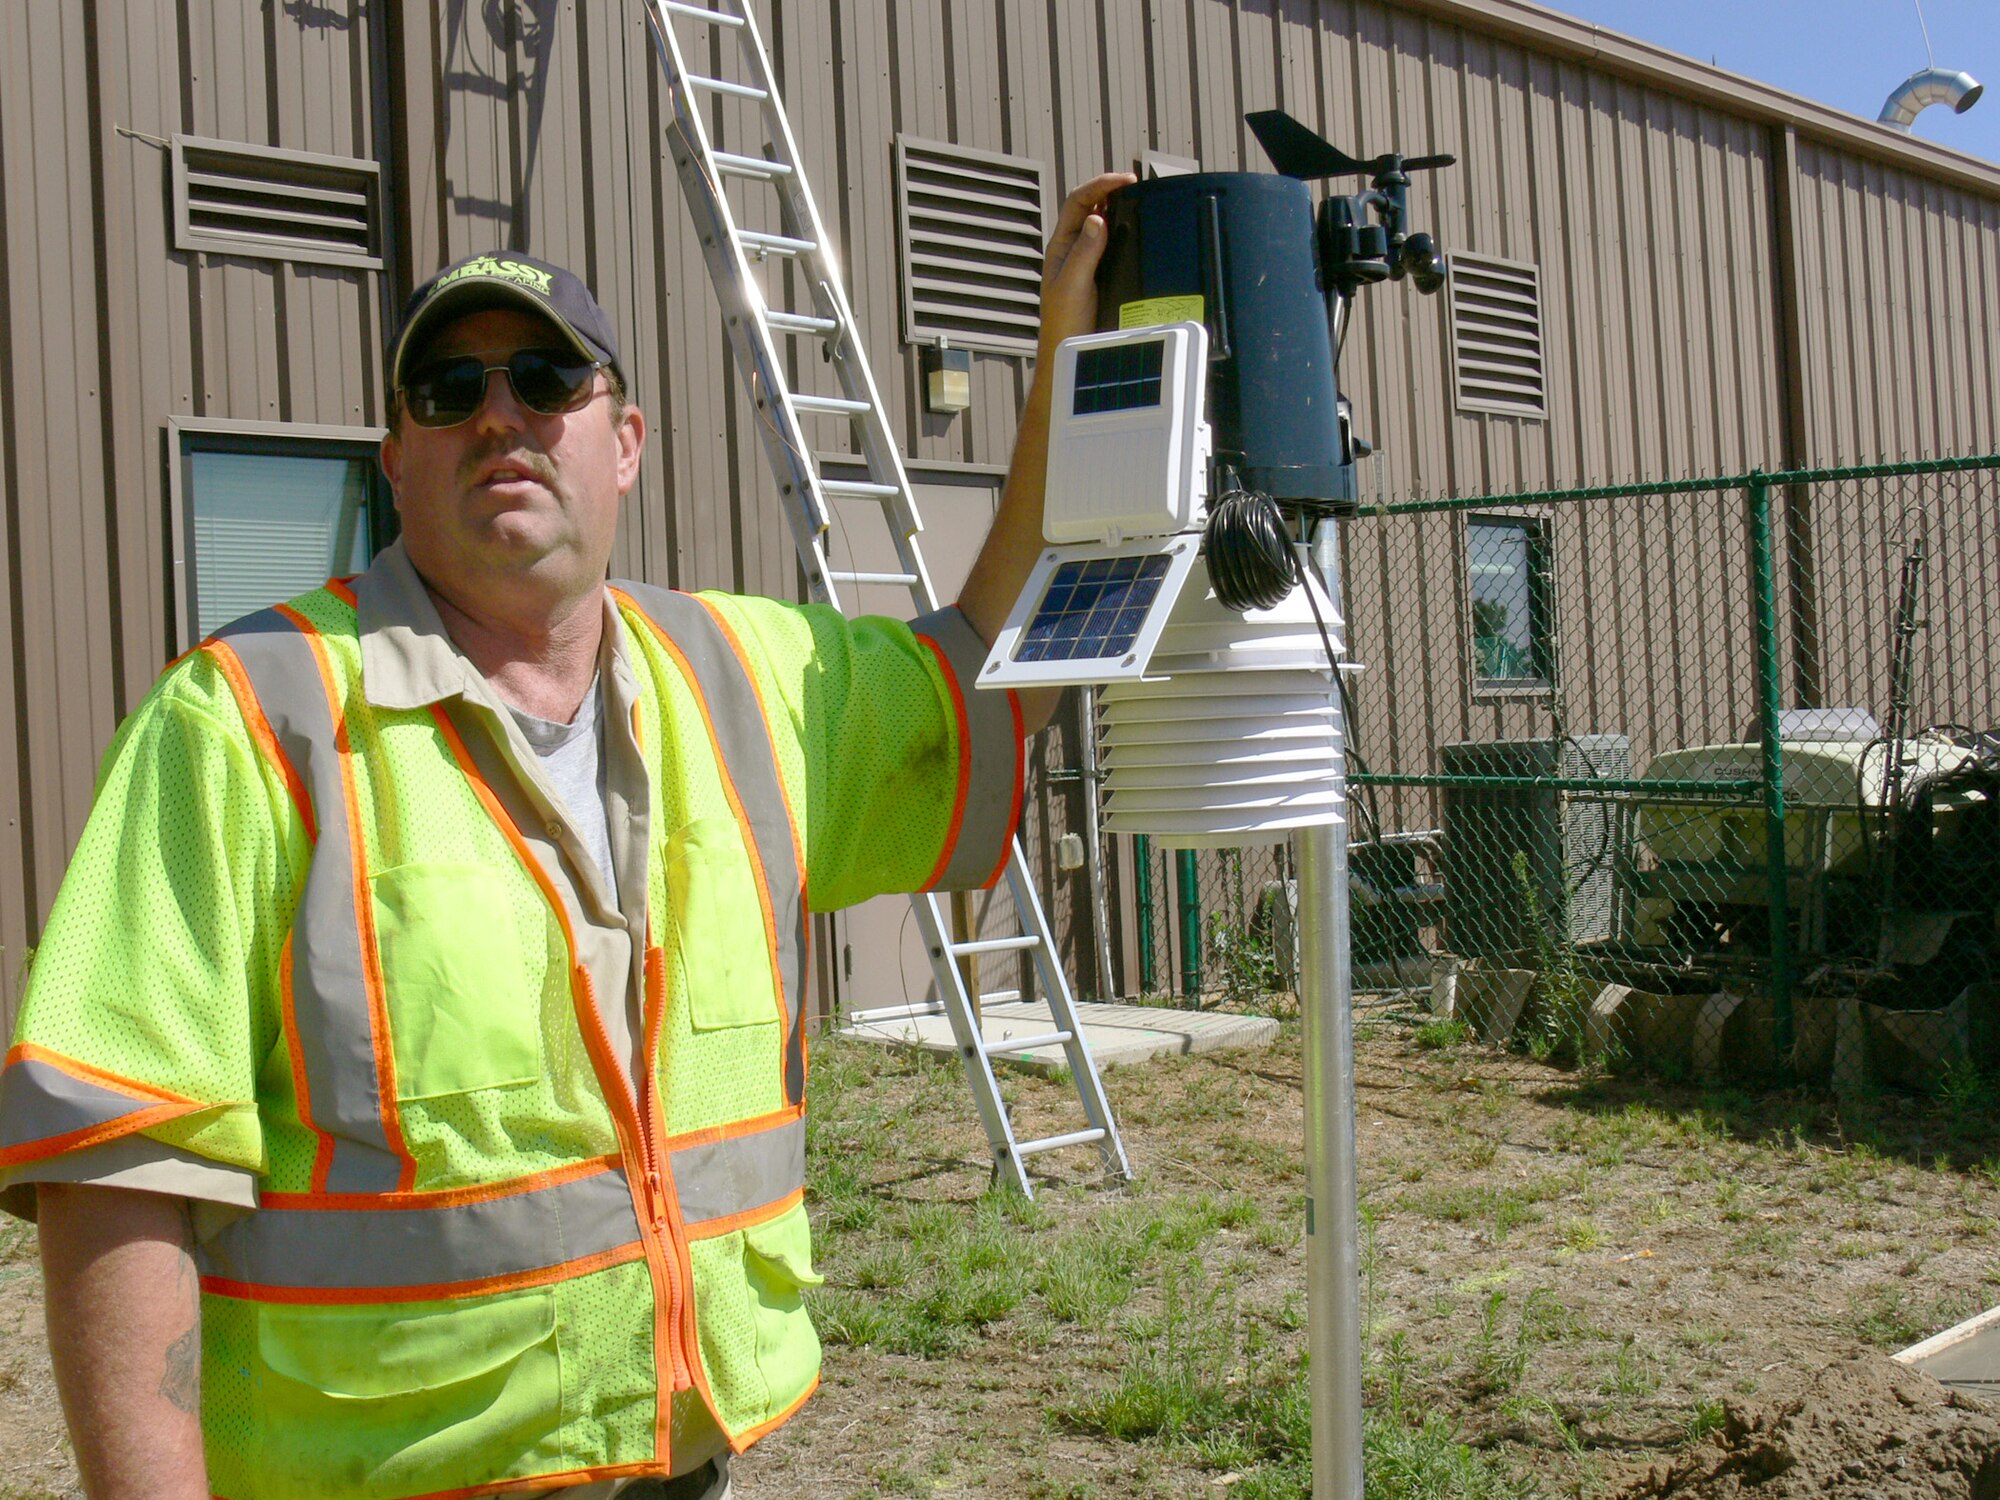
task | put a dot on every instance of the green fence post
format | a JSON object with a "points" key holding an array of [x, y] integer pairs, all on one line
{"points": [[1142, 857], [1764, 562], [1190, 894]]}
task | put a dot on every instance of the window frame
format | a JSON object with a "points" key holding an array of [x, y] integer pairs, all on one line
{"points": [[1542, 639], [188, 435]]}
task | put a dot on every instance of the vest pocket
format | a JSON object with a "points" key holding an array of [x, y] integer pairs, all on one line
{"points": [[719, 926], [407, 1398], [757, 1343], [463, 1010]]}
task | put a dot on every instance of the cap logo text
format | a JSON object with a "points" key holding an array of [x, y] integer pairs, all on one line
{"points": [[503, 270]]}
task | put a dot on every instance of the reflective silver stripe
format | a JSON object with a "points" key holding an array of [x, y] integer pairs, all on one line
{"points": [[364, 1249], [752, 763], [330, 997], [739, 1174], [40, 1102], [992, 795]]}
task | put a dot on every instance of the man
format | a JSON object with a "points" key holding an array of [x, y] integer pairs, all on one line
{"points": [[411, 1075]]}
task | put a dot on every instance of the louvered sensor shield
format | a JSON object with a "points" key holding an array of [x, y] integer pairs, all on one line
{"points": [[1234, 736]]}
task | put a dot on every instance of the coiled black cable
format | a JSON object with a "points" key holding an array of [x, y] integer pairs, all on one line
{"points": [[1251, 563]]}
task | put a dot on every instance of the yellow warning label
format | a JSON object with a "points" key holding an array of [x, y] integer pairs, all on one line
{"points": [[1153, 311]]}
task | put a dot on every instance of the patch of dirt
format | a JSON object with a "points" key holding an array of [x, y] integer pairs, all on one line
{"points": [[1863, 1426]]}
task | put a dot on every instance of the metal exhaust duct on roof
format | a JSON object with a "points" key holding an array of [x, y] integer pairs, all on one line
{"points": [[1925, 87]]}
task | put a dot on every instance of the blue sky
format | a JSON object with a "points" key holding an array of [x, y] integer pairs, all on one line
{"points": [[1847, 53]]}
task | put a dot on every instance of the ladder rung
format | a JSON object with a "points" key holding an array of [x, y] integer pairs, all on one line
{"points": [[732, 165], [774, 244], [828, 406], [994, 945], [1057, 1142], [725, 86], [895, 1013], [998, 997], [907, 580], [859, 489], [1028, 1043], [700, 13], [789, 322]]}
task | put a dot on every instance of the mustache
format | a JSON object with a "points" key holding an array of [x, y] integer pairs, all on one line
{"points": [[506, 448]]}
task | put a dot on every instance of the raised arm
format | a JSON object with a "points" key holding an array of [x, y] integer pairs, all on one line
{"points": [[1069, 307], [124, 1314]]}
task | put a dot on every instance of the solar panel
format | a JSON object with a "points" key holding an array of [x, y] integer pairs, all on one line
{"points": [[1092, 608], [1091, 614], [1120, 377]]}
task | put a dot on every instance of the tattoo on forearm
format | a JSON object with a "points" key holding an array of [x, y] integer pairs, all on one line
{"points": [[181, 1384], [181, 1381]]}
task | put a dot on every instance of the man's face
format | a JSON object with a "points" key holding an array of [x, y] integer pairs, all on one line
{"points": [[510, 494]]}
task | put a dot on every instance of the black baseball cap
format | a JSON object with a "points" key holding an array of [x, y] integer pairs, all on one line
{"points": [[503, 279]]}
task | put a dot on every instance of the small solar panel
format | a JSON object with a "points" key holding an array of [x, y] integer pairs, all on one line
{"points": [[1120, 377], [1092, 608]]}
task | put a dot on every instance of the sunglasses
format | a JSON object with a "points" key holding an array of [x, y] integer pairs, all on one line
{"points": [[445, 392]]}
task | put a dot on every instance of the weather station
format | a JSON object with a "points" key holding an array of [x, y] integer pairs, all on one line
{"points": [[1200, 457]]}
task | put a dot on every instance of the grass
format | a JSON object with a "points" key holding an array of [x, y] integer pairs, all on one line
{"points": [[1550, 1272], [1199, 1381], [1888, 1316]]}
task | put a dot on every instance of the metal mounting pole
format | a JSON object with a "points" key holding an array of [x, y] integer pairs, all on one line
{"points": [[1333, 1249]]}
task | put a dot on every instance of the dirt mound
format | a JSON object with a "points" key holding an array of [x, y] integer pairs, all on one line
{"points": [[1863, 1426]]}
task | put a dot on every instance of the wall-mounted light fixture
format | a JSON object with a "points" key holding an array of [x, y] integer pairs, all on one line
{"points": [[947, 379]]}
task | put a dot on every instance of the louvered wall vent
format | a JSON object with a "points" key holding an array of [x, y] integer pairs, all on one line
{"points": [[972, 228], [231, 198], [1496, 336]]}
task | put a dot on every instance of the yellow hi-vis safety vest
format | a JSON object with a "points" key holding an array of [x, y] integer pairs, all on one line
{"points": [[491, 1260]]}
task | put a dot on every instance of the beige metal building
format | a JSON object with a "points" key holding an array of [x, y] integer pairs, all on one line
{"points": [[209, 209]]}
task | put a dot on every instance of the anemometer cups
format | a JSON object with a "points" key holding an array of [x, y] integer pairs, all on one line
{"points": [[1422, 261]]}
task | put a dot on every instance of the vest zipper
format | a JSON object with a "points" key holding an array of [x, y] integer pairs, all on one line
{"points": [[654, 969], [655, 1230]]}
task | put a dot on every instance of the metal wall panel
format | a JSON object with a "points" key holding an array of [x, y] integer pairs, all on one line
{"points": [[1897, 280], [65, 645], [120, 331]]}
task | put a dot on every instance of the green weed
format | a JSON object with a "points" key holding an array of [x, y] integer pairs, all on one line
{"points": [[1441, 1034], [1580, 1235], [1886, 1316], [1701, 1419]]}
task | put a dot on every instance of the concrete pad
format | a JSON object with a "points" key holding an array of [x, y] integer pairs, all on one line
{"points": [[1966, 1358], [1115, 1033]]}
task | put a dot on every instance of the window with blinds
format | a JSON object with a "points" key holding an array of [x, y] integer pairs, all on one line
{"points": [[1496, 336], [263, 518], [972, 226], [234, 198]]}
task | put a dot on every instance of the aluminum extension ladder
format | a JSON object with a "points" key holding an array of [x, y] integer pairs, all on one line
{"points": [[754, 327]]}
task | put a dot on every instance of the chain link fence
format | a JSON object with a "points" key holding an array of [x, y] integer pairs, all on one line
{"points": [[1701, 777]]}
